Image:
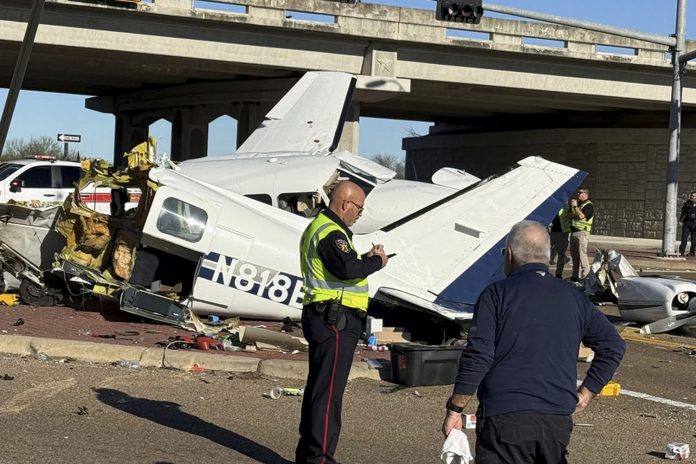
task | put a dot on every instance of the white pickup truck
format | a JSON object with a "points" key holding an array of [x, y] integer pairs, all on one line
{"points": [[44, 181]]}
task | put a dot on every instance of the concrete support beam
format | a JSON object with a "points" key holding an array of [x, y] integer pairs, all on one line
{"points": [[190, 133], [380, 63], [350, 137], [127, 133], [249, 117]]}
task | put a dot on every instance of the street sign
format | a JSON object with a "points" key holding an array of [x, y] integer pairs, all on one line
{"points": [[69, 138]]}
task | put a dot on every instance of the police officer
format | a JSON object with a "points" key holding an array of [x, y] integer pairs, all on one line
{"points": [[335, 302], [580, 228], [560, 231], [688, 220]]}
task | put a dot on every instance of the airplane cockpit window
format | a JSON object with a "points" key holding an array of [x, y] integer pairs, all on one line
{"points": [[305, 204], [262, 197], [182, 220]]}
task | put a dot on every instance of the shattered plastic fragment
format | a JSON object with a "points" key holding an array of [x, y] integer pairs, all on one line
{"points": [[277, 392], [374, 364], [128, 364], [677, 451], [42, 356]]}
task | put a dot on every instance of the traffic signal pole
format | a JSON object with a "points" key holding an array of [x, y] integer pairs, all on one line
{"points": [[669, 223], [677, 45], [19, 71]]}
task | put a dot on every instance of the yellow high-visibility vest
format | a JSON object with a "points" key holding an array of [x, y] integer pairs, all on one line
{"points": [[565, 216], [583, 224], [318, 283]]}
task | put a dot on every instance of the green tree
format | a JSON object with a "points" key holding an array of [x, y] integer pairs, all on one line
{"points": [[392, 162]]}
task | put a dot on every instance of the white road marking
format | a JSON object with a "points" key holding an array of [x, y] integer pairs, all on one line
{"points": [[34, 396], [656, 399]]}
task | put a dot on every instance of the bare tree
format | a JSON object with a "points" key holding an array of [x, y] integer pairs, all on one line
{"points": [[43, 145], [392, 162]]}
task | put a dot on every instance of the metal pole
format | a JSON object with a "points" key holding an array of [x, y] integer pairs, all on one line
{"points": [[688, 56], [669, 235], [20, 71], [65, 150], [589, 25]]}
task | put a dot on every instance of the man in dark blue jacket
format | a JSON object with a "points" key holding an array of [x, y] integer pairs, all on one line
{"points": [[522, 354]]}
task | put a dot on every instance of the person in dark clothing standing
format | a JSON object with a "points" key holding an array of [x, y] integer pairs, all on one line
{"points": [[522, 353], [335, 303], [560, 232], [688, 220]]}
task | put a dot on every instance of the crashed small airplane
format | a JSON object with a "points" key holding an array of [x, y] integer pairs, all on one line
{"points": [[220, 235], [659, 303]]}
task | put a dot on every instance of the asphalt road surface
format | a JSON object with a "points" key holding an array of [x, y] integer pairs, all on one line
{"points": [[69, 412]]}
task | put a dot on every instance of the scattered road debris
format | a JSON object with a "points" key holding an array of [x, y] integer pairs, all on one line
{"points": [[9, 299], [82, 411], [18, 322], [677, 451], [374, 364], [7, 377], [418, 394], [610, 389], [265, 337], [277, 392], [41, 356], [129, 364], [289, 325]]}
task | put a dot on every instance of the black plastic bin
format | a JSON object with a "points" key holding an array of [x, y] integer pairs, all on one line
{"points": [[413, 365]]}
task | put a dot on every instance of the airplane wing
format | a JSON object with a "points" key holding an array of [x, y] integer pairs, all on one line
{"points": [[448, 252], [308, 120]]}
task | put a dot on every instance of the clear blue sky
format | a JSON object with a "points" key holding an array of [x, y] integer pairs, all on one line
{"points": [[40, 113]]}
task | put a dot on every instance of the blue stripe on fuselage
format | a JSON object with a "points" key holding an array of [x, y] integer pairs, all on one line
{"points": [[463, 292]]}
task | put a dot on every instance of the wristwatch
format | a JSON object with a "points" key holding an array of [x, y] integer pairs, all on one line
{"points": [[453, 407]]}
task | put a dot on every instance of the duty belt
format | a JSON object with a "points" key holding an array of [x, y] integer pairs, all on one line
{"points": [[318, 307]]}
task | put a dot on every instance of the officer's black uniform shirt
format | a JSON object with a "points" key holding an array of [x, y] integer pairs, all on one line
{"points": [[339, 258], [688, 212]]}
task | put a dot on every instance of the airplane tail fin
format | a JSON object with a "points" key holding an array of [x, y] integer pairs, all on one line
{"points": [[448, 252], [308, 120]]}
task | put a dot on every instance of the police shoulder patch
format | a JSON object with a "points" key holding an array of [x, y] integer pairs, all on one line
{"points": [[343, 245]]}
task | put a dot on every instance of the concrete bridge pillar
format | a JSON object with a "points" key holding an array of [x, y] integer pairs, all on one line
{"points": [[128, 132], [190, 133], [350, 137], [250, 116]]}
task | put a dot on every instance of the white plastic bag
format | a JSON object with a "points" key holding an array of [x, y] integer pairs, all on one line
{"points": [[456, 449]]}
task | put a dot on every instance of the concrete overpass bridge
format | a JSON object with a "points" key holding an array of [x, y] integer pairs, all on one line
{"points": [[189, 62]]}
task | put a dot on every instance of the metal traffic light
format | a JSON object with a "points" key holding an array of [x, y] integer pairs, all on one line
{"points": [[463, 11]]}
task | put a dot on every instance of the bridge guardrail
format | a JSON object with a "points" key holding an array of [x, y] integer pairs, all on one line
{"points": [[406, 24]]}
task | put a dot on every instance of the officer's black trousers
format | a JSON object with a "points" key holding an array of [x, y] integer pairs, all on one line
{"points": [[331, 350], [519, 438], [688, 231]]}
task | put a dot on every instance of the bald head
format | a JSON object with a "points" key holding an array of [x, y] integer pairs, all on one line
{"points": [[528, 242], [347, 201]]}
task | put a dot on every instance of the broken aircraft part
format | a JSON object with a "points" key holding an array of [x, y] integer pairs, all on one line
{"points": [[660, 303]]}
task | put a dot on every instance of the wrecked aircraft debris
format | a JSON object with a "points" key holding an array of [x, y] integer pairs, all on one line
{"points": [[660, 303], [220, 235]]}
